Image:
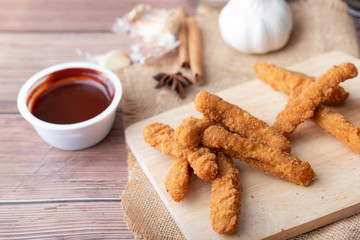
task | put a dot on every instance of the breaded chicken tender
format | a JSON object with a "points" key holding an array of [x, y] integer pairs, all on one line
{"points": [[339, 126], [226, 191], [239, 121], [270, 160], [285, 81], [177, 180], [302, 107], [161, 137], [189, 132], [334, 123]]}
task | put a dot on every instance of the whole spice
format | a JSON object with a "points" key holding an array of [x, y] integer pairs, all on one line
{"points": [[182, 37], [195, 50], [175, 81]]}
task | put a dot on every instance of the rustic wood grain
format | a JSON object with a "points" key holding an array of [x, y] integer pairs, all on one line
{"points": [[49, 193], [46, 193], [70, 15], [63, 220], [31, 169]]}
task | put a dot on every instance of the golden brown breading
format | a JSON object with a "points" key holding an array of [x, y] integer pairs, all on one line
{"points": [[273, 161], [285, 81], [161, 137], [189, 132], [334, 123], [339, 126], [177, 180], [239, 121], [226, 190], [302, 107]]}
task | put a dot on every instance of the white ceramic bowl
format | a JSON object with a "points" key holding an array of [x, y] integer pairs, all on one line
{"points": [[77, 135]]}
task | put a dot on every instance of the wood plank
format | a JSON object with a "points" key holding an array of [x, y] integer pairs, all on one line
{"points": [[22, 55], [32, 169], [277, 207], [63, 220], [69, 15], [46, 193]]}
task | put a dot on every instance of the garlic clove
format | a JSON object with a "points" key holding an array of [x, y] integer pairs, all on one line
{"points": [[115, 60]]}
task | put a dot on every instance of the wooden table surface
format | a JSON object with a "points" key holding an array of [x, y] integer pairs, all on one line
{"points": [[46, 193]]}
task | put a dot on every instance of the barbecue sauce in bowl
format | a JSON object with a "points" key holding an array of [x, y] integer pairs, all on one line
{"points": [[70, 96]]}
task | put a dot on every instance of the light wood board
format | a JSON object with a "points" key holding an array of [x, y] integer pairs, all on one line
{"points": [[271, 208]]}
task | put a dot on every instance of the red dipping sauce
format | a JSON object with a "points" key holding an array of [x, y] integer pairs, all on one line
{"points": [[71, 96]]}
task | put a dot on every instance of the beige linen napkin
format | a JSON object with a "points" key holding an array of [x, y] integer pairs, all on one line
{"points": [[320, 26]]}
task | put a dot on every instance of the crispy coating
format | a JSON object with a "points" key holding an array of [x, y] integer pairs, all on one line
{"points": [[161, 137], [339, 126], [302, 107], [285, 81], [239, 121], [177, 180], [226, 190], [334, 123], [189, 132], [273, 161]]}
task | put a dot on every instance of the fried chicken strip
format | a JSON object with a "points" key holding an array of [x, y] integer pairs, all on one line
{"points": [[226, 190], [279, 164], [302, 107], [285, 81], [189, 132], [239, 121], [339, 126], [334, 123], [161, 137], [177, 180]]}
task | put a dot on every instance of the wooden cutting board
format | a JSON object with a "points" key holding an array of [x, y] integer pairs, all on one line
{"points": [[271, 208]]}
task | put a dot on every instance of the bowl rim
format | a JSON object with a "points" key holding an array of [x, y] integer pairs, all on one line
{"points": [[36, 122]]}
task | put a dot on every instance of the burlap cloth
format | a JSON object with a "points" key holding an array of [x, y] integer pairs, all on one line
{"points": [[320, 26]]}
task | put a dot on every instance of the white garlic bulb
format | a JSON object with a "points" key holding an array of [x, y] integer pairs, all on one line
{"points": [[256, 26]]}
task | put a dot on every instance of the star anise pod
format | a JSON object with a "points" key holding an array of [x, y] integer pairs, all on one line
{"points": [[175, 81]]}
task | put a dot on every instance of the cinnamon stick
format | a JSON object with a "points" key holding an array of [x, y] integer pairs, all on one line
{"points": [[182, 36], [195, 50]]}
